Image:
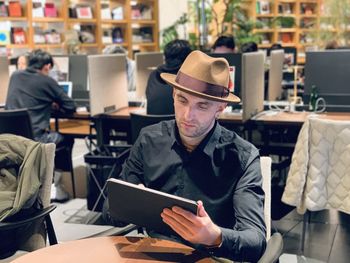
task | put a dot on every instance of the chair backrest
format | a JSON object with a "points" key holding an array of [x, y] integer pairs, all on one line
{"points": [[16, 122], [265, 163], [28, 233], [140, 120]]}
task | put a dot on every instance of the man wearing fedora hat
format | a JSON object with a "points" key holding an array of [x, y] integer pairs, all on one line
{"points": [[195, 157]]}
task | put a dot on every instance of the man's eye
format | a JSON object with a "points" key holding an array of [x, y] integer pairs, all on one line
{"points": [[203, 106]]}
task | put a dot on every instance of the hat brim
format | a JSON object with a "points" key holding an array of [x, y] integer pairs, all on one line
{"points": [[170, 79]]}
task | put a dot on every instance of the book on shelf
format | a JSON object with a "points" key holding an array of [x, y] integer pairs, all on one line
{"points": [[285, 8], [50, 10], [84, 11], [39, 37], [4, 37], [52, 37], [107, 36], [117, 35], [3, 9], [38, 9], [105, 11], [141, 11], [287, 37], [72, 11], [263, 7], [18, 35], [15, 9], [118, 13], [86, 34]]}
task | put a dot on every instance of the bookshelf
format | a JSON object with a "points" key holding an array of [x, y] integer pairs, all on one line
{"points": [[45, 23], [290, 22]]}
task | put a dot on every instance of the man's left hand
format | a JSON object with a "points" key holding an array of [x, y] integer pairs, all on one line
{"points": [[197, 229]]}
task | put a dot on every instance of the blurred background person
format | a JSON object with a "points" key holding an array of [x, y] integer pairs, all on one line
{"points": [[224, 44], [22, 62], [159, 96], [249, 47]]}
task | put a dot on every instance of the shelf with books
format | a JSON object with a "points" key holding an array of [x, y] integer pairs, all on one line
{"points": [[47, 19], [91, 19], [111, 21], [286, 21]]}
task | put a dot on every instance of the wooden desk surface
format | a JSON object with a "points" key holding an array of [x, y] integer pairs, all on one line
{"points": [[115, 249], [125, 114], [298, 118]]}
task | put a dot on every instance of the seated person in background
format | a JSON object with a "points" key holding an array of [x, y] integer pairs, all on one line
{"points": [[201, 160], [249, 47], [130, 64], [22, 62], [33, 89], [158, 93], [332, 45], [224, 44]]}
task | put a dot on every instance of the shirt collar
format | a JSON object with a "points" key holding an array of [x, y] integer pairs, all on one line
{"points": [[207, 145]]}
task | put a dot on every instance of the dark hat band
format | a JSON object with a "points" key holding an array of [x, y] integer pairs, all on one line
{"points": [[201, 86]]}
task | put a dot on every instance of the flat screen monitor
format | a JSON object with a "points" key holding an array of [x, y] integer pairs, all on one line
{"points": [[67, 86], [275, 75], [252, 84], [329, 71], [145, 62], [78, 75], [234, 60], [4, 76], [108, 83]]}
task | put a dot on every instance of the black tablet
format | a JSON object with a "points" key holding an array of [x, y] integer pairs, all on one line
{"points": [[131, 203]]}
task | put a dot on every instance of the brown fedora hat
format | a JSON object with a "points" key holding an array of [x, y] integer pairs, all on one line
{"points": [[203, 76]]}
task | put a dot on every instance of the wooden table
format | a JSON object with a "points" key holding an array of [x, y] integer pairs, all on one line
{"points": [[288, 123], [116, 249]]}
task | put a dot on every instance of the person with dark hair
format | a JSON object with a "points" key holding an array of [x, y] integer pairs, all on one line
{"points": [[224, 44], [34, 90], [249, 47], [159, 96]]}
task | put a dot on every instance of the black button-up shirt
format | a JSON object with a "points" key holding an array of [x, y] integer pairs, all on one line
{"points": [[223, 171]]}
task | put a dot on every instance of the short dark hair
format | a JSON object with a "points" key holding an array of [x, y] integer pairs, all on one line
{"points": [[226, 41], [176, 51], [38, 59], [249, 47]]}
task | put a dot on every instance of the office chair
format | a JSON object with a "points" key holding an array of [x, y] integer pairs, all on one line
{"points": [[140, 120], [18, 122], [275, 241], [36, 224]]}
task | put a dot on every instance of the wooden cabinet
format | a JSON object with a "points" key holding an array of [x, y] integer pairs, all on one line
{"points": [[132, 24], [290, 22]]}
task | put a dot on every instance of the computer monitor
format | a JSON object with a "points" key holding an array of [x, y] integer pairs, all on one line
{"points": [[145, 62], [329, 71], [234, 60], [108, 83], [275, 75], [252, 84], [4, 76], [67, 86]]}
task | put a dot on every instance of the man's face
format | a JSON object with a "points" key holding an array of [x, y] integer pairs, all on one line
{"points": [[195, 116]]}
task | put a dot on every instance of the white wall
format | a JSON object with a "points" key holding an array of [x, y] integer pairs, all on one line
{"points": [[169, 12]]}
